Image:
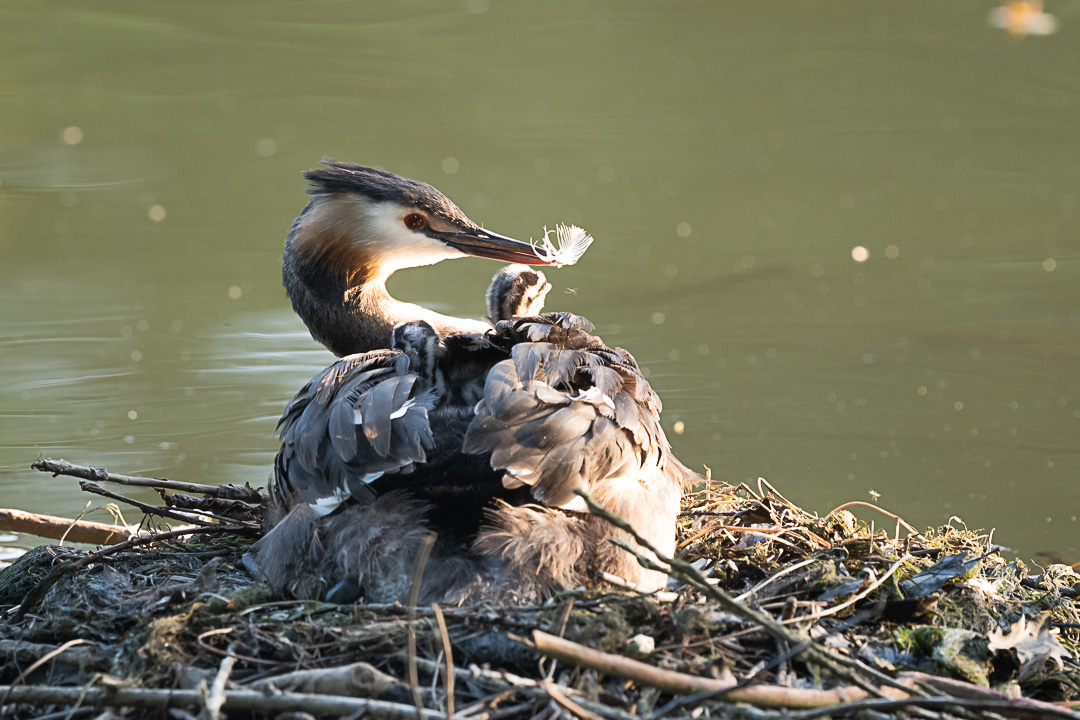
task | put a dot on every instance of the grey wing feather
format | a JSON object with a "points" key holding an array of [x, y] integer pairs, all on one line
{"points": [[500, 381], [563, 426], [363, 416], [343, 430], [560, 366], [604, 378], [375, 408], [412, 435], [566, 411], [527, 358]]}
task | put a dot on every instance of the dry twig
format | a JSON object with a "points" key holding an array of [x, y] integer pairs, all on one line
{"points": [[449, 659], [333, 705], [214, 698], [227, 492], [683, 684], [414, 596], [51, 526]]}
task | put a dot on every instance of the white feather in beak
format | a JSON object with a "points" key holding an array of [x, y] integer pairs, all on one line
{"points": [[573, 242]]}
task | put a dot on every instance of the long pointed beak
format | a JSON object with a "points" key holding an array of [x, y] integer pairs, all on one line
{"points": [[486, 244]]}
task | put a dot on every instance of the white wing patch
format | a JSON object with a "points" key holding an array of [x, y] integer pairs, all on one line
{"points": [[577, 504], [403, 409], [326, 505], [593, 396]]}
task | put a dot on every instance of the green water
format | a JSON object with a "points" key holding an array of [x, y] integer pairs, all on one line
{"points": [[728, 158]]}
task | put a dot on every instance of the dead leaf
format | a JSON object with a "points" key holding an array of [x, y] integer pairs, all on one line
{"points": [[1033, 642]]}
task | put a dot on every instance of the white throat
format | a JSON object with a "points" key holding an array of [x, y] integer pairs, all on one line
{"points": [[376, 231]]}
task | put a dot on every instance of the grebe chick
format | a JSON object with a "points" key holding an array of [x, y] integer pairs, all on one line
{"points": [[516, 291]]}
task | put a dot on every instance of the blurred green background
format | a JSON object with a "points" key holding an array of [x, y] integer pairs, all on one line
{"points": [[841, 237]]}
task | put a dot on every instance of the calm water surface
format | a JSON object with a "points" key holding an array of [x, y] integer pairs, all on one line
{"points": [[729, 159]]}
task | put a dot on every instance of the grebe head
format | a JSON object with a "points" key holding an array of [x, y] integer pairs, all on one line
{"points": [[421, 343], [516, 291], [368, 223]]}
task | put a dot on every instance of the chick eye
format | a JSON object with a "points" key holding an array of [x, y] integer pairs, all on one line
{"points": [[415, 221]]}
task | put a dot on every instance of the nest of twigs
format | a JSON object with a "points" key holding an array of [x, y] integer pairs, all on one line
{"points": [[772, 612]]}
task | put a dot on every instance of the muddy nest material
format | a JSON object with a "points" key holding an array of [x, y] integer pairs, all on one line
{"points": [[772, 612]]}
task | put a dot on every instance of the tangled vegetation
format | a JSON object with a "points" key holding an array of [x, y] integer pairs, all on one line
{"points": [[772, 612]]}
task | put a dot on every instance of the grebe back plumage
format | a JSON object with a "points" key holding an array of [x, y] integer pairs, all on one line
{"points": [[479, 433]]}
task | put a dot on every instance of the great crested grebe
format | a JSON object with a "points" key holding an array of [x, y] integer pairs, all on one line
{"points": [[478, 432]]}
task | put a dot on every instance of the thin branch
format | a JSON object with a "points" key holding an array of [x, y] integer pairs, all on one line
{"points": [[448, 655], [750, 531], [525, 686], [89, 655], [581, 656], [961, 689], [140, 540], [682, 684], [356, 680], [835, 608], [897, 518], [683, 569], [332, 705], [38, 663], [688, 572], [658, 595], [1024, 709], [775, 576], [569, 705], [75, 521], [414, 596], [201, 642], [226, 492], [90, 487], [215, 698]]}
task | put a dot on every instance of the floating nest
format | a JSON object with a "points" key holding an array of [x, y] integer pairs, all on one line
{"points": [[771, 612]]}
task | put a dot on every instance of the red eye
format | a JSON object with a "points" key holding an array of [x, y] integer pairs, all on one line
{"points": [[415, 221]]}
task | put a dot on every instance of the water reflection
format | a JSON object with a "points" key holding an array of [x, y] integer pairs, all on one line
{"points": [[54, 167], [213, 422]]}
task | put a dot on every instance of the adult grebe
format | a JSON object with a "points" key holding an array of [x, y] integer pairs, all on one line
{"points": [[477, 432]]}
